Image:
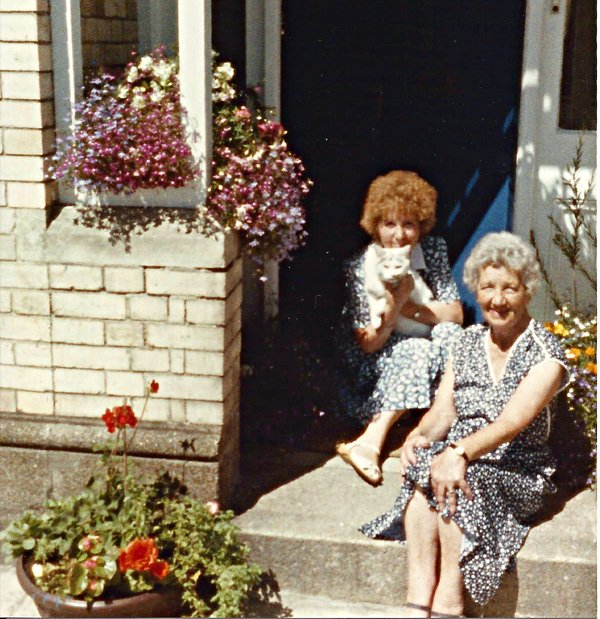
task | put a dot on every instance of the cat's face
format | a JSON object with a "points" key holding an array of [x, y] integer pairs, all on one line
{"points": [[392, 263]]}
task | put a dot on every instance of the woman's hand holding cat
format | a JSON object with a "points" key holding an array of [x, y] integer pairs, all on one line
{"points": [[398, 295]]}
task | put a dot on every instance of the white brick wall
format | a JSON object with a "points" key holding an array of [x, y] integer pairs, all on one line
{"points": [[73, 331], [125, 383], [22, 377], [35, 403], [89, 305], [79, 381], [31, 302], [33, 353], [72, 277], [90, 357], [13, 275], [125, 334], [84, 324], [36, 328], [124, 280], [145, 307], [150, 360]]}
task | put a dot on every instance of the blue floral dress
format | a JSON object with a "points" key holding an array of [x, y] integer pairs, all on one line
{"points": [[404, 373], [509, 482]]}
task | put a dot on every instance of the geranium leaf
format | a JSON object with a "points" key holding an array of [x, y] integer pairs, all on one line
{"points": [[78, 579], [29, 543]]}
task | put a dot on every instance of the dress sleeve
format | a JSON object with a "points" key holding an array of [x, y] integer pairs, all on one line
{"points": [[357, 305], [552, 351], [438, 274]]}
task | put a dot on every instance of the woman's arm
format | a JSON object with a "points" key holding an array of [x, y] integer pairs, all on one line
{"points": [[531, 396], [371, 339], [434, 312], [448, 470]]}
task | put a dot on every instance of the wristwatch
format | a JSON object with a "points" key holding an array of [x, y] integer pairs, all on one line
{"points": [[459, 450]]}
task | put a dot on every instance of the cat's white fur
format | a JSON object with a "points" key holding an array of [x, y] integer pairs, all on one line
{"points": [[390, 265]]}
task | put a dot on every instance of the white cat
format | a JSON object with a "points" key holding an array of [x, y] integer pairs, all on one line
{"points": [[390, 265]]}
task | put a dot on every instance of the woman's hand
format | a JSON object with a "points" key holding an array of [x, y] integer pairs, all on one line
{"points": [[448, 473], [396, 297], [408, 456], [371, 339]]}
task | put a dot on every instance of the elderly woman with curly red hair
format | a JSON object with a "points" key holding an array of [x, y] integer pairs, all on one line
{"points": [[385, 372]]}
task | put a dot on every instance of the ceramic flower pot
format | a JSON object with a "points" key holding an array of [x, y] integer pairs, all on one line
{"points": [[161, 603]]}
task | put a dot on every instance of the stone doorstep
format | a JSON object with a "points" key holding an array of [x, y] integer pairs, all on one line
{"points": [[303, 525]]}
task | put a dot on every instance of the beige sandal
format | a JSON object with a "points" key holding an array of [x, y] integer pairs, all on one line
{"points": [[366, 468]]}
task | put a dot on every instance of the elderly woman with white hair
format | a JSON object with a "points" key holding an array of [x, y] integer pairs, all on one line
{"points": [[478, 463]]}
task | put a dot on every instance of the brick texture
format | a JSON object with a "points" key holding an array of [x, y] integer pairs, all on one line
{"points": [[84, 324]]}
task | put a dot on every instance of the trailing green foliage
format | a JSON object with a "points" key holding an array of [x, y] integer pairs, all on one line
{"points": [[126, 534]]}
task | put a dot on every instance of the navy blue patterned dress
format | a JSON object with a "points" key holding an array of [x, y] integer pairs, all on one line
{"points": [[509, 482], [405, 372]]}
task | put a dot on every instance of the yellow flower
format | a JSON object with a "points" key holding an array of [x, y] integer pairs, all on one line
{"points": [[590, 351], [591, 367], [560, 329], [573, 353]]}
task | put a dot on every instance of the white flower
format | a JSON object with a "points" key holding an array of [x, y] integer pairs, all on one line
{"points": [[225, 71], [122, 91], [213, 507], [156, 96], [138, 102], [163, 71], [37, 569], [132, 74], [145, 63]]}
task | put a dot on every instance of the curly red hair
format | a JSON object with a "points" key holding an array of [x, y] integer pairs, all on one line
{"points": [[396, 193]]}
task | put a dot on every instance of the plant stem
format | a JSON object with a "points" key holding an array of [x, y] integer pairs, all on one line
{"points": [[141, 417]]}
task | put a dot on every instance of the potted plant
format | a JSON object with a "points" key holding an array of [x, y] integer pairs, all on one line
{"points": [[129, 139], [258, 184], [129, 545], [128, 135]]}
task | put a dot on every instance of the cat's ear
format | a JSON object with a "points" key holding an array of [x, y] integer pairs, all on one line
{"points": [[405, 251]]}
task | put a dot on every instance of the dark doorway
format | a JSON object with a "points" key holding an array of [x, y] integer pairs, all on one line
{"points": [[427, 85], [370, 86]]}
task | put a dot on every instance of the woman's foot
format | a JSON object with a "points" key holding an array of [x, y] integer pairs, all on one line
{"points": [[363, 458]]}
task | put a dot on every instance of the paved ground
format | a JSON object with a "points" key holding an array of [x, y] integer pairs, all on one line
{"points": [[15, 603]]}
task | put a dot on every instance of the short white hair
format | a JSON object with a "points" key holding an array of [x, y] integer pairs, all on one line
{"points": [[503, 249]]}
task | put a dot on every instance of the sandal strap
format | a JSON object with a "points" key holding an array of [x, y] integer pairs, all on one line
{"points": [[364, 446], [418, 606]]}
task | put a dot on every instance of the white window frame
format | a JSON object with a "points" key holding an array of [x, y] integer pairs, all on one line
{"points": [[195, 77]]}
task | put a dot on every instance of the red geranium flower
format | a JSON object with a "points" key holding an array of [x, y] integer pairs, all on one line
{"points": [[154, 386], [109, 420], [119, 417], [142, 555], [160, 569]]}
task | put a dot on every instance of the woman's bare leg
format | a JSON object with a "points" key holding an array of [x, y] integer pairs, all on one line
{"points": [[448, 597], [422, 536], [376, 432]]}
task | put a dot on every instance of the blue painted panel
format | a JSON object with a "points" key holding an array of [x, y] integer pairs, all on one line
{"points": [[496, 219]]}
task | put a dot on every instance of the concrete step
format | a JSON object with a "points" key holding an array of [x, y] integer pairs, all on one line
{"points": [[301, 516]]}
